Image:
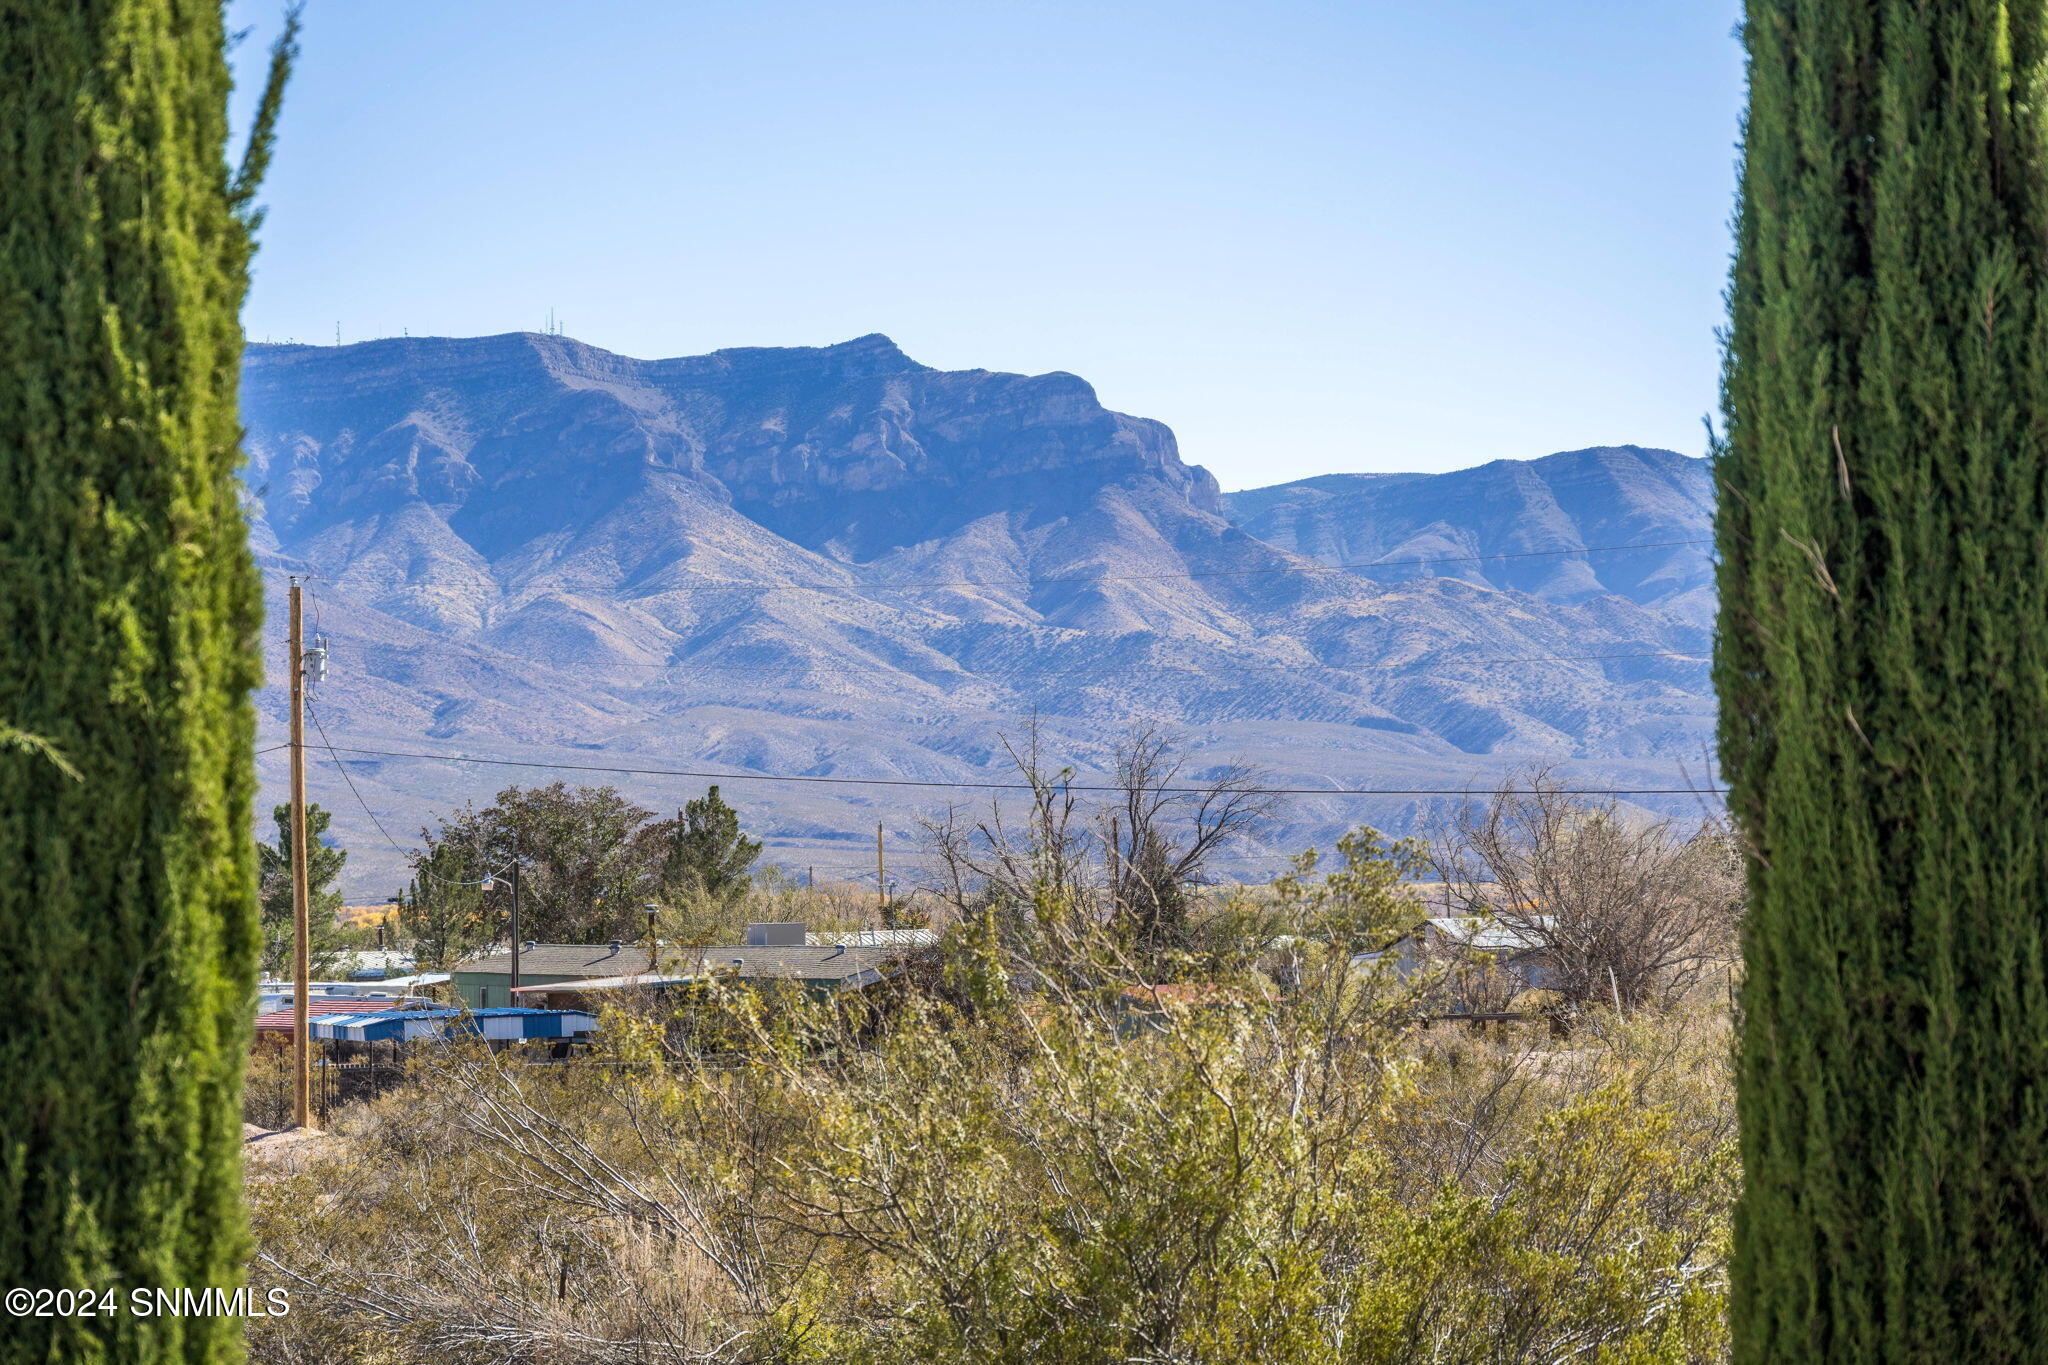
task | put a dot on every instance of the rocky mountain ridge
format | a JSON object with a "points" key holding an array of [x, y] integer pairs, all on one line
{"points": [[837, 562]]}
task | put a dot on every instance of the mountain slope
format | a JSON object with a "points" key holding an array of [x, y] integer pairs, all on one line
{"points": [[1608, 495], [834, 561]]}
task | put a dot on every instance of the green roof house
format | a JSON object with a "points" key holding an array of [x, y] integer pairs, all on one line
{"points": [[486, 983]]}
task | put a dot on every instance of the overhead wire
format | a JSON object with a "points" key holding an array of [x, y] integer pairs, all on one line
{"points": [[334, 751], [983, 786], [970, 673], [342, 768]]}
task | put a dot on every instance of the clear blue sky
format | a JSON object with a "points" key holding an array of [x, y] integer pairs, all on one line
{"points": [[1363, 234]]}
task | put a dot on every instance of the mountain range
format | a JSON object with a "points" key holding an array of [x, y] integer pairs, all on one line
{"points": [[834, 562]]}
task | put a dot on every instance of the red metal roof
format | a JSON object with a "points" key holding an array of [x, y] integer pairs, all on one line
{"points": [[281, 1021]]}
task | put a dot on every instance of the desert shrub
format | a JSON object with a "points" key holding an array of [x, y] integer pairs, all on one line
{"points": [[1009, 1165]]}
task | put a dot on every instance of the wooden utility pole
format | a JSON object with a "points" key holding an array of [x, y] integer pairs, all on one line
{"points": [[881, 877], [302, 971]]}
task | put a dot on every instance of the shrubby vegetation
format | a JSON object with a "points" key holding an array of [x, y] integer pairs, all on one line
{"points": [[1624, 910], [1054, 1139]]}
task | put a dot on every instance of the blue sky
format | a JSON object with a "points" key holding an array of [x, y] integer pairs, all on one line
{"points": [[1311, 237]]}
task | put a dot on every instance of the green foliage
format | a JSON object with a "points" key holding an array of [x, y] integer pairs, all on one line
{"points": [[325, 940], [900, 912], [129, 617], [585, 856], [706, 854], [692, 919], [998, 1170], [1153, 902], [441, 916], [23, 742], [1883, 672], [1360, 906]]}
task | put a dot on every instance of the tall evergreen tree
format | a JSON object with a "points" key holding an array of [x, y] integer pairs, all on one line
{"points": [[129, 616], [706, 853], [324, 862], [443, 916], [1883, 673]]}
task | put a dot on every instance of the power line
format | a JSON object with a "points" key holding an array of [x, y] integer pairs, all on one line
{"points": [[346, 777], [970, 673], [989, 786], [342, 768]]}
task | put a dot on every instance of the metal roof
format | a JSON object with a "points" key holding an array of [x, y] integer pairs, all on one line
{"points": [[509, 1022], [807, 963], [419, 979], [876, 938], [282, 1021], [635, 981], [836, 965], [562, 959], [1490, 935]]}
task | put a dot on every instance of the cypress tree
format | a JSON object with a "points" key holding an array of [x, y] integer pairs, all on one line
{"points": [[1883, 671], [129, 616]]}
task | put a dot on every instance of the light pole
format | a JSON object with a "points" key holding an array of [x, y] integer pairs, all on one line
{"points": [[490, 883], [515, 916]]}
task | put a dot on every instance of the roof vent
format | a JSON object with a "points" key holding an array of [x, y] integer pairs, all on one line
{"points": [[785, 935]]}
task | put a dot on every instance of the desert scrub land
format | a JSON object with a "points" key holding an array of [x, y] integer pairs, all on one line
{"points": [[1032, 1149]]}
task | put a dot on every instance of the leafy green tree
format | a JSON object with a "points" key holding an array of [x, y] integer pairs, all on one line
{"points": [[705, 852], [325, 938], [584, 857], [129, 617], [1883, 673]]}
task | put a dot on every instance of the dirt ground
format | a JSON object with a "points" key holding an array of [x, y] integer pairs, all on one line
{"points": [[268, 1153]]}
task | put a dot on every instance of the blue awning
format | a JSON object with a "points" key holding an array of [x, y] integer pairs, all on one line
{"points": [[398, 1026]]}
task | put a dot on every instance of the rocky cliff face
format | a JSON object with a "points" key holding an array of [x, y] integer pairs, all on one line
{"points": [[853, 447], [835, 561]]}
